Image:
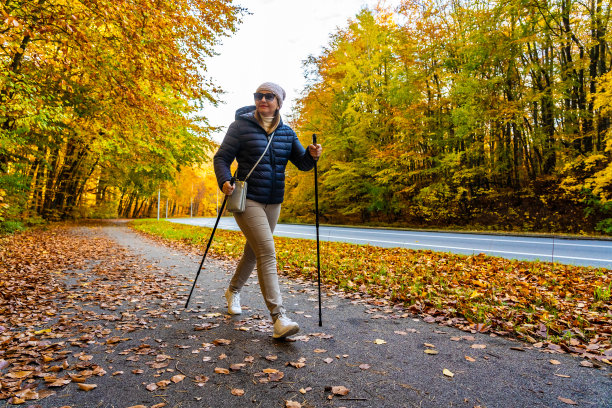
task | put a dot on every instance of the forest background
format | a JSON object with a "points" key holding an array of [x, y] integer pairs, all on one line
{"points": [[462, 114]]}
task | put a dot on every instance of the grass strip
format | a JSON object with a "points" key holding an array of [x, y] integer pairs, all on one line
{"points": [[563, 304]]}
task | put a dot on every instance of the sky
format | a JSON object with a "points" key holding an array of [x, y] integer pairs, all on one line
{"points": [[270, 45]]}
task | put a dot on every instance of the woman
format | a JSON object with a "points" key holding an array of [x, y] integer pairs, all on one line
{"points": [[246, 141]]}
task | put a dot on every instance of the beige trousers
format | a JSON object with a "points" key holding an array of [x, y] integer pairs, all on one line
{"points": [[257, 223]]}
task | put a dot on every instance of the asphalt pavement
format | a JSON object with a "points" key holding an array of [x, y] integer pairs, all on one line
{"points": [[382, 354], [583, 252]]}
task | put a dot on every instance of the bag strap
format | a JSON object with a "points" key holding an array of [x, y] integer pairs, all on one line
{"points": [[261, 157]]}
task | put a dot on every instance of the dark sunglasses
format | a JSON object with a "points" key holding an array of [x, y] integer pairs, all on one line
{"points": [[259, 96]]}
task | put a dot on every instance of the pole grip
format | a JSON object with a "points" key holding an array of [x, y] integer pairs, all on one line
{"points": [[232, 181], [314, 139]]}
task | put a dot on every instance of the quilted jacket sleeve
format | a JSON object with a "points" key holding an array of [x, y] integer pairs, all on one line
{"points": [[226, 154], [300, 157]]}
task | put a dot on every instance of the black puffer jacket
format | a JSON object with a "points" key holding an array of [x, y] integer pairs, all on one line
{"points": [[245, 141]]}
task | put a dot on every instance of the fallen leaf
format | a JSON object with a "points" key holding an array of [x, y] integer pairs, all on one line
{"points": [[429, 345], [237, 367], [320, 350], [379, 341], [563, 376], [276, 376], [478, 346], [87, 387], [19, 374], [163, 383], [585, 363], [448, 373], [567, 401], [429, 351], [339, 390], [470, 359], [554, 362], [220, 370], [201, 380], [364, 366], [292, 404], [221, 342], [152, 387], [178, 378], [271, 357], [237, 392], [270, 370], [60, 382], [328, 360]]}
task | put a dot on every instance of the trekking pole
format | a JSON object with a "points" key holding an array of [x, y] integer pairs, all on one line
{"points": [[208, 246], [314, 142]]}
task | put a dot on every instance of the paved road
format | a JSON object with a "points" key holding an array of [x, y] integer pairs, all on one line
{"points": [[597, 253]]}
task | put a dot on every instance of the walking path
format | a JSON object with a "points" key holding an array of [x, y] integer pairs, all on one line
{"points": [[155, 352]]}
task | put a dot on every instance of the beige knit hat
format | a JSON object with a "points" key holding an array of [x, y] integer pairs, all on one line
{"points": [[277, 90]]}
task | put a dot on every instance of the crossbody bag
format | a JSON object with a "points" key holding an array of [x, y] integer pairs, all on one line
{"points": [[236, 202]]}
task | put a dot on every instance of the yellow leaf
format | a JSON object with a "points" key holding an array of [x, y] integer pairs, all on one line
{"points": [[42, 331], [379, 341], [448, 373]]}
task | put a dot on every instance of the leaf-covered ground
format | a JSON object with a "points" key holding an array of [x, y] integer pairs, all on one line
{"points": [[569, 306], [52, 301], [94, 317]]}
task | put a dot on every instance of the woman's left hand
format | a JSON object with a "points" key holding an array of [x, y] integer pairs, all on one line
{"points": [[315, 151]]}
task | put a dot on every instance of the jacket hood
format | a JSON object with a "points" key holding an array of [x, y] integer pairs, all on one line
{"points": [[242, 112]]}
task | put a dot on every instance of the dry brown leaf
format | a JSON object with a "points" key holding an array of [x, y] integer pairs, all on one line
{"points": [[470, 359], [152, 387], [554, 362], [339, 390], [237, 367], [292, 404], [567, 401], [220, 370], [478, 346], [237, 392], [87, 387], [163, 383], [178, 378], [271, 357], [201, 380]]}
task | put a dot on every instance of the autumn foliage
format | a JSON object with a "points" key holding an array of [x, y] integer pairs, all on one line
{"points": [[479, 113], [99, 100]]}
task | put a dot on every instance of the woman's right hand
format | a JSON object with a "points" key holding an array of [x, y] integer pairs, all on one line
{"points": [[228, 188]]}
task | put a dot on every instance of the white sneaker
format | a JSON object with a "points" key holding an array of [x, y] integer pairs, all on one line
{"points": [[284, 326], [233, 302]]}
